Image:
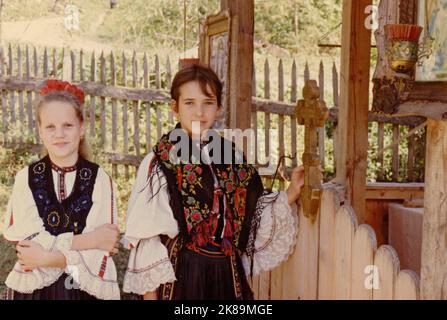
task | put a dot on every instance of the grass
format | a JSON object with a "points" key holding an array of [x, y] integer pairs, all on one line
{"points": [[7, 260]]}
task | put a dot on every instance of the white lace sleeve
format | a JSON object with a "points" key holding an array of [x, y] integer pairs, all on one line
{"points": [[94, 270], [148, 216], [149, 266], [276, 235]]}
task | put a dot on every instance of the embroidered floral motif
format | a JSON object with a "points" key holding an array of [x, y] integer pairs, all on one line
{"points": [[81, 204], [201, 214], [42, 197], [39, 168], [191, 178], [85, 174], [54, 219]]}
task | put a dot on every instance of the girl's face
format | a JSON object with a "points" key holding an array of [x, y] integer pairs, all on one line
{"points": [[61, 131], [195, 105]]}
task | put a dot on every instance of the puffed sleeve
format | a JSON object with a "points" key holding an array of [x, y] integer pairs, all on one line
{"points": [[94, 270], [22, 222], [276, 235], [148, 216]]}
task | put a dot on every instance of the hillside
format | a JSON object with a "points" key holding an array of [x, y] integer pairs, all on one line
{"points": [[293, 27]]}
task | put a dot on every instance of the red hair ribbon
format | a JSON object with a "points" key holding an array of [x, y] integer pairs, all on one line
{"points": [[58, 85]]}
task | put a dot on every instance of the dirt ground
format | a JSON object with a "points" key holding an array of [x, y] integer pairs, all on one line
{"points": [[49, 32]]}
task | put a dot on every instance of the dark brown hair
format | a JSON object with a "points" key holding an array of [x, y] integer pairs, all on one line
{"points": [[65, 96], [203, 75]]}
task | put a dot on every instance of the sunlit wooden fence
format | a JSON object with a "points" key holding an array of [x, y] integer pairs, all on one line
{"points": [[127, 108], [335, 258]]}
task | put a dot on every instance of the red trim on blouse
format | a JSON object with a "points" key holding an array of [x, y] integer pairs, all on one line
{"points": [[103, 267], [102, 270], [61, 181]]}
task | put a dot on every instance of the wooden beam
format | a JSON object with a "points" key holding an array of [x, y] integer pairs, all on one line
{"points": [[434, 230], [354, 102], [94, 89], [394, 191], [242, 68]]}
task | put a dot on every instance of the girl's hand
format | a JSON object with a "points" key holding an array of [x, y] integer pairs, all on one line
{"points": [[31, 255], [107, 238], [296, 182]]}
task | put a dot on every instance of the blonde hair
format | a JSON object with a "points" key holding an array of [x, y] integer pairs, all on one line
{"points": [[65, 96]]}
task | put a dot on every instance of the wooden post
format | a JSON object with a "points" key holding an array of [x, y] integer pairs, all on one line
{"points": [[354, 93], [240, 111], [434, 230]]}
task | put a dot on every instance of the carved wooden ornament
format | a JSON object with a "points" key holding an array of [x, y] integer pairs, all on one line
{"points": [[312, 113]]}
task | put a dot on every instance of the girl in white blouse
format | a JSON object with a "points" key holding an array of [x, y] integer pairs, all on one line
{"points": [[198, 228], [62, 212]]}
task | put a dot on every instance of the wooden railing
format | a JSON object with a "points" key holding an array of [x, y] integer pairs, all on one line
{"points": [[390, 164]]}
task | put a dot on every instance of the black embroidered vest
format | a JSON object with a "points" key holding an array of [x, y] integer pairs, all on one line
{"points": [[69, 215], [196, 201]]}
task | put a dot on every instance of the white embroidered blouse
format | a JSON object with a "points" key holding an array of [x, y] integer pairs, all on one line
{"points": [[149, 265], [22, 220]]}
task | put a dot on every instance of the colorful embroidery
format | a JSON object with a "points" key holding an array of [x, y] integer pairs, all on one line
{"points": [[85, 174], [200, 213], [53, 219], [70, 214], [102, 270], [39, 168], [166, 290]]}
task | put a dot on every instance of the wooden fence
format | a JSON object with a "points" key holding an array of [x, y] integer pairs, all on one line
{"points": [[334, 258], [127, 109]]}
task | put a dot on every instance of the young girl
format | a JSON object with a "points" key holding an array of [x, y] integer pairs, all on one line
{"points": [[197, 230], [62, 211]]}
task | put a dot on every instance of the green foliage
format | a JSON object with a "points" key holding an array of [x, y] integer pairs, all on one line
{"points": [[294, 25], [297, 24]]}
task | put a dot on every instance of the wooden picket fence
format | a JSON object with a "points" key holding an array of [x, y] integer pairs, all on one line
{"points": [[335, 259], [127, 108], [389, 129]]}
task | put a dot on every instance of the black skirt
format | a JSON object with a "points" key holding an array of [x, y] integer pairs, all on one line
{"points": [[56, 291], [208, 276]]}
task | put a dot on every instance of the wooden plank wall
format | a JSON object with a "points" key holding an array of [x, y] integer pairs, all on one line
{"points": [[337, 259]]}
